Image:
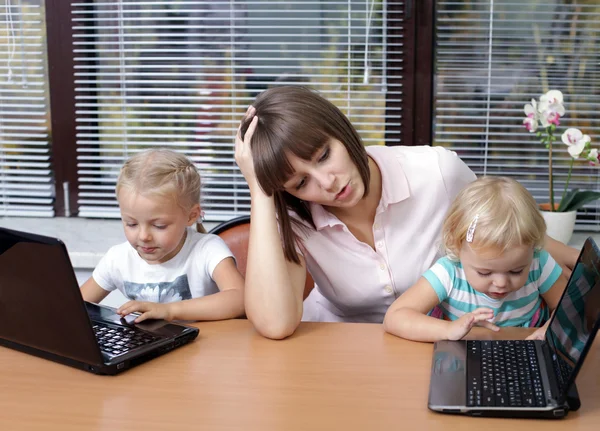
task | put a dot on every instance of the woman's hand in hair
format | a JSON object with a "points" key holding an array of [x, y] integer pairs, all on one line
{"points": [[243, 153]]}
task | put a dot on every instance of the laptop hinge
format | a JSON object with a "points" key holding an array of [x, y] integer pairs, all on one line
{"points": [[552, 377]]}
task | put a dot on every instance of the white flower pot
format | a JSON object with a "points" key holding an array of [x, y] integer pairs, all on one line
{"points": [[560, 225]]}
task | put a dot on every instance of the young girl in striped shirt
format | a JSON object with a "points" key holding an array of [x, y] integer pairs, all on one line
{"points": [[495, 272]]}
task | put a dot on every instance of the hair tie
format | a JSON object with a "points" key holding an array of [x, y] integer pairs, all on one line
{"points": [[471, 230]]}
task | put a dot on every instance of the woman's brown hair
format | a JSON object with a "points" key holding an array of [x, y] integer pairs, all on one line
{"points": [[296, 121]]}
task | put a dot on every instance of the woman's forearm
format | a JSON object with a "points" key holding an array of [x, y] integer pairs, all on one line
{"points": [[273, 304]]}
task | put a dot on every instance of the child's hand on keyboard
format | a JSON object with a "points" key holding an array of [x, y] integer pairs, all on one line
{"points": [[457, 329], [148, 310]]}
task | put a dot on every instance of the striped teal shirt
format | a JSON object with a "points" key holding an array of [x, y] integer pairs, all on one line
{"points": [[520, 308]]}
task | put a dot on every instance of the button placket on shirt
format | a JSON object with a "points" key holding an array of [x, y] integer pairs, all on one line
{"points": [[380, 250], [384, 276]]}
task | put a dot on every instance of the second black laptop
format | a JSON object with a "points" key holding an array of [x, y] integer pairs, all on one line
{"points": [[524, 378], [43, 313]]}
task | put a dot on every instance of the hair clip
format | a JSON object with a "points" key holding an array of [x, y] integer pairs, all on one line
{"points": [[471, 230]]}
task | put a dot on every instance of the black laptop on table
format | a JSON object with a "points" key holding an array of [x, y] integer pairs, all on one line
{"points": [[43, 313], [524, 378]]}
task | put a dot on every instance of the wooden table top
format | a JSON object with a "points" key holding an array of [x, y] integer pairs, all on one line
{"points": [[327, 376]]}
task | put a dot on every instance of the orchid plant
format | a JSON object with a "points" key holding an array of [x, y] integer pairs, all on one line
{"points": [[543, 119]]}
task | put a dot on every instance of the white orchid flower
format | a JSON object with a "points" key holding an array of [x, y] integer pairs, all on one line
{"points": [[550, 113], [552, 97], [575, 141], [551, 108], [593, 156], [547, 113], [531, 122], [576, 150], [531, 109]]}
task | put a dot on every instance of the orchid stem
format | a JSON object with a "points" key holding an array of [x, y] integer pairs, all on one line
{"points": [[567, 183], [550, 138]]}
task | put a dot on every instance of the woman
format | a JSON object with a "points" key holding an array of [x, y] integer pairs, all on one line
{"points": [[364, 221]]}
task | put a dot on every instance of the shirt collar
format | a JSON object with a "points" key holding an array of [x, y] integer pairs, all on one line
{"points": [[321, 217], [393, 184]]}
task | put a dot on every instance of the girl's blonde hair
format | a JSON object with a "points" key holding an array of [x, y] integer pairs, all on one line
{"points": [[507, 216], [163, 172]]}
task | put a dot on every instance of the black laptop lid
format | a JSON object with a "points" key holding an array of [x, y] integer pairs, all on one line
{"points": [[40, 301], [577, 317]]}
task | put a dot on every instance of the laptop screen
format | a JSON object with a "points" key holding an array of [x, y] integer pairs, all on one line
{"points": [[577, 314]]}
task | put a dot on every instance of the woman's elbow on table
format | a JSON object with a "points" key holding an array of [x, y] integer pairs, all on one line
{"points": [[395, 320], [388, 321], [275, 331], [275, 328]]}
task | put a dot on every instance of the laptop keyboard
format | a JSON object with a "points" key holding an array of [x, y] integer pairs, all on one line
{"points": [[503, 374], [117, 340], [563, 371]]}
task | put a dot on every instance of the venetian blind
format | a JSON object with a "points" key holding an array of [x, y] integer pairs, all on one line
{"points": [[181, 74], [492, 58], [26, 184]]}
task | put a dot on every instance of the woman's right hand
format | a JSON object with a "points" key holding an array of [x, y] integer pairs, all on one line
{"points": [[457, 329], [243, 153]]}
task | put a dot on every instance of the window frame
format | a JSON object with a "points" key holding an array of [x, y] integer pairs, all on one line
{"points": [[416, 53]]}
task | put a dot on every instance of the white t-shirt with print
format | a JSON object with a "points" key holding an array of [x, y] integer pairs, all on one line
{"points": [[187, 275]]}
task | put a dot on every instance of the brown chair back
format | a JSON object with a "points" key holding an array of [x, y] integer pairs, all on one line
{"points": [[236, 233]]}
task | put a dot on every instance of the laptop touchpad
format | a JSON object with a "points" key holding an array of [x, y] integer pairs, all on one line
{"points": [[448, 375]]}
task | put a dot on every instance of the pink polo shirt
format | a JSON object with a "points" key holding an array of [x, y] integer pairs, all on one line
{"points": [[355, 283]]}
